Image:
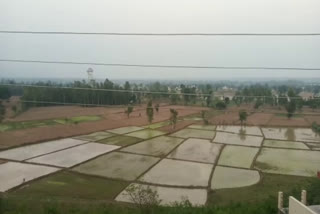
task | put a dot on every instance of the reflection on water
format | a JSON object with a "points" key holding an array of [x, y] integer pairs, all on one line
{"points": [[290, 134], [242, 133]]}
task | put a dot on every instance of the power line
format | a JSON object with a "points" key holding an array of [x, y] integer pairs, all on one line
{"points": [[151, 92], [154, 34], [161, 66]]}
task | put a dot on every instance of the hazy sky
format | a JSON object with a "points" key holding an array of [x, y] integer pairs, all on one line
{"points": [[160, 16]]}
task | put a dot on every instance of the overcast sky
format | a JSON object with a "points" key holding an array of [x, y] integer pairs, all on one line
{"points": [[160, 16]]}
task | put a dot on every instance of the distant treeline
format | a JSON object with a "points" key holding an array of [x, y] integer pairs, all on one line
{"points": [[92, 96]]}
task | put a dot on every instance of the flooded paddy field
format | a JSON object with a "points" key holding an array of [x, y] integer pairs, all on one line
{"points": [[14, 174], [95, 136], [238, 156], [237, 139], [118, 165], [120, 140], [197, 150], [194, 133], [204, 127], [244, 130], [226, 177], [146, 134], [159, 146], [27, 152], [285, 144], [177, 173], [125, 130], [291, 134], [185, 164], [288, 161], [73, 156]]}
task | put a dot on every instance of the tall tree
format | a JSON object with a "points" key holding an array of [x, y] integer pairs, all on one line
{"points": [[243, 116], [173, 118], [149, 111]]}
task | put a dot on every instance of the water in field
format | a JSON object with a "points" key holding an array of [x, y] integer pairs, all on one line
{"points": [[95, 136], [125, 130], [226, 177], [179, 173], [197, 150], [194, 133], [120, 140], [159, 146], [238, 139], [237, 156], [285, 144], [289, 161], [146, 133], [204, 127], [247, 130], [291, 134], [118, 165]]}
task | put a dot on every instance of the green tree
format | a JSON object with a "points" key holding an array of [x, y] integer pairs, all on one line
{"points": [[2, 111], [221, 105], [291, 108], [144, 197], [227, 100], [258, 104], [129, 110], [173, 118], [204, 117], [149, 111], [157, 106], [174, 98], [243, 116], [4, 92]]}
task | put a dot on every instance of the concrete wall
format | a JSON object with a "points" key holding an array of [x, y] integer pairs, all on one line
{"points": [[296, 207]]}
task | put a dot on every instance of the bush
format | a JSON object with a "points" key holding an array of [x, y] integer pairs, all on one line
{"points": [[221, 105]]}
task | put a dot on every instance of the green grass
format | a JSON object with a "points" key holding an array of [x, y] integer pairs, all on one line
{"points": [[120, 140], [31, 206], [157, 125], [285, 115], [11, 126], [72, 186], [268, 187]]}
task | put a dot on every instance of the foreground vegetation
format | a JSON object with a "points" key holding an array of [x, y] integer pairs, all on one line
{"points": [[73, 193], [30, 206]]}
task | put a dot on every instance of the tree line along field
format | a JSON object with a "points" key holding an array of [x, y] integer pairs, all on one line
{"points": [[208, 95]]}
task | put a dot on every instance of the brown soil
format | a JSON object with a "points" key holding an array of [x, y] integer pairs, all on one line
{"points": [[312, 119], [112, 120], [43, 113], [256, 119], [227, 118], [284, 121]]}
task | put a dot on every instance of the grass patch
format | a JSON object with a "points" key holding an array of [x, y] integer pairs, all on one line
{"points": [[32, 206], [285, 115], [72, 185], [268, 187], [157, 125], [11, 126], [120, 140]]}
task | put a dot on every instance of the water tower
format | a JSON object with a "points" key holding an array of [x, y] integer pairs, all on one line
{"points": [[90, 76]]}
